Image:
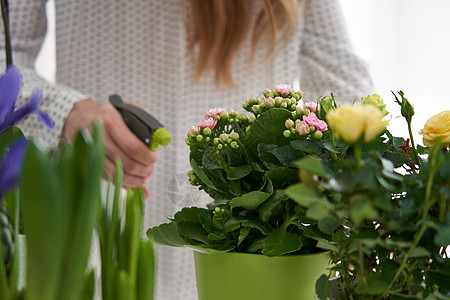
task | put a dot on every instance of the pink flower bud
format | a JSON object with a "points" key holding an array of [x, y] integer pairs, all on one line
{"points": [[283, 89], [209, 122], [289, 123], [312, 106], [302, 128], [268, 102], [212, 113], [194, 131]]}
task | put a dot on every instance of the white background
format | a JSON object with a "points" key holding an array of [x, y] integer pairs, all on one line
{"points": [[405, 42]]}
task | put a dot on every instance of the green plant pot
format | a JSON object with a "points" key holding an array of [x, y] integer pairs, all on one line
{"points": [[236, 276]]}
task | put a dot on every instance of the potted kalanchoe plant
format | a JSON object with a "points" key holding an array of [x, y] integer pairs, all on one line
{"points": [[245, 163], [394, 206]]}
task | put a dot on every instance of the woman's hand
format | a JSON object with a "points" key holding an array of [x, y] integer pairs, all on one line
{"points": [[137, 159]]}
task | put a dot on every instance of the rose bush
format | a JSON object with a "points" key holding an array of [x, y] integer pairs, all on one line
{"points": [[436, 127]]}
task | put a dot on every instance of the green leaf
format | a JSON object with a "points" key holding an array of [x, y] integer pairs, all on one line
{"points": [[313, 165], [361, 210], [329, 146], [377, 282], [236, 173], [302, 194], [212, 249], [442, 238], [419, 252], [8, 136], [202, 175], [166, 234], [189, 225], [306, 146], [255, 223], [214, 233], [124, 287], [146, 275], [327, 246], [282, 177], [209, 161], [267, 129], [243, 233], [250, 200], [328, 225], [265, 209], [45, 223], [280, 242], [323, 288], [253, 199], [286, 154], [231, 224], [268, 159], [319, 210]]}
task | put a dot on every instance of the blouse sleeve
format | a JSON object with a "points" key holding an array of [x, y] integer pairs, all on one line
{"points": [[28, 26], [328, 63]]}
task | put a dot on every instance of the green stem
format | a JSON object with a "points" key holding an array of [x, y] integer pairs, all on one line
{"points": [[361, 262], [442, 208], [333, 142], [423, 227], [413, 145], [410, 250], [357, 153], [289, 221]]}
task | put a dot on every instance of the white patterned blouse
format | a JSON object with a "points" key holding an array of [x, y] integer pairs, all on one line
{"points": [[137, 49]]}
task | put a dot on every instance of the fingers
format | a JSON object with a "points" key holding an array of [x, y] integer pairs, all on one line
{"points": [[128, 143], [138, 160], [132, 166], [128, 180]]}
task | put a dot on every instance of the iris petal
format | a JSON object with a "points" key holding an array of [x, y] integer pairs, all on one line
{"points": [[11, 166], [10, 84], [32, 106], [46, 119]]}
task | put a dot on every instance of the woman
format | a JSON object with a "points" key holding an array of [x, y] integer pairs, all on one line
{"points": [[177, 59]]}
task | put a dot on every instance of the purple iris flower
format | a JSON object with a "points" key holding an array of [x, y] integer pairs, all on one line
{"points": [[12, 160], [10, 84], [11, 165]]}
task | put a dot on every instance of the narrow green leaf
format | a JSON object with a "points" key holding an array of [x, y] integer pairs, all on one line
{"points": [[124, 287], [45, 223], [146, 276], [202, 175], [243, 233], [5, 292]]}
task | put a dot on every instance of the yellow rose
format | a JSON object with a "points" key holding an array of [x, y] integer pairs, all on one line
{"points": [[437, 126], [350, 122], [376, 100]]}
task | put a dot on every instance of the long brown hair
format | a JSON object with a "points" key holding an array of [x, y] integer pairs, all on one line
{"points": [[217, 28]]}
